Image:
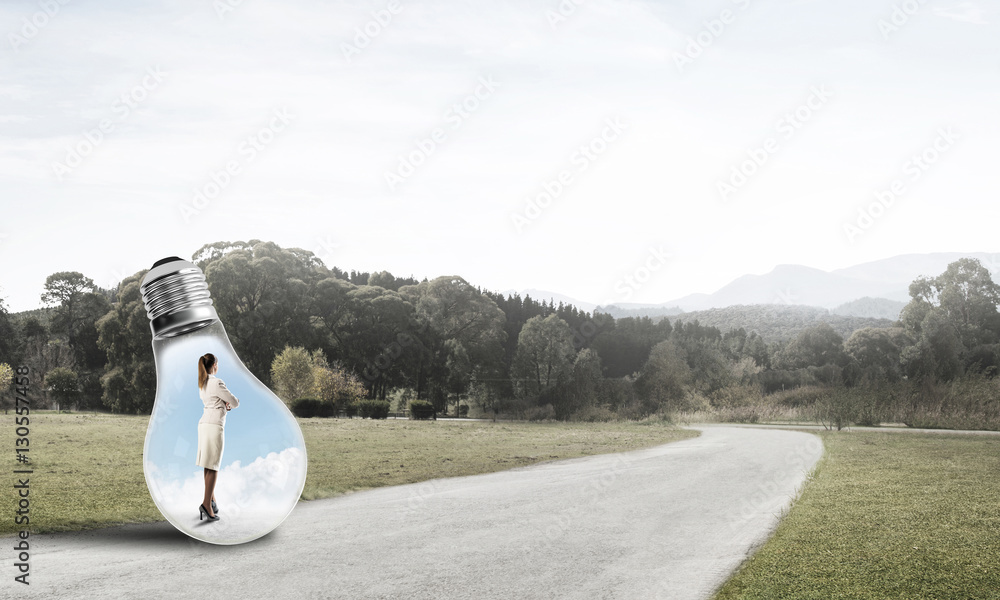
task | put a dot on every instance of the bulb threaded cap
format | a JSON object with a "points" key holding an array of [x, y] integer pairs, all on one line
{"points": [[176, 297]]}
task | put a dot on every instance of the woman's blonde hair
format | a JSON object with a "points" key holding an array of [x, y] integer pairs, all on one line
{"points": [[205, 364]]}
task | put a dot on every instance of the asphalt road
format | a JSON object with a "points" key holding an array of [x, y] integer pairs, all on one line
{"points": [[667, 522]]}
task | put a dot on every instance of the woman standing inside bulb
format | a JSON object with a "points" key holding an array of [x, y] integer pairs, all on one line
{"points": [[218, 400]]}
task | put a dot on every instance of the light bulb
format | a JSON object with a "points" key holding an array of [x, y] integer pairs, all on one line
{"points": [[263, 467]]}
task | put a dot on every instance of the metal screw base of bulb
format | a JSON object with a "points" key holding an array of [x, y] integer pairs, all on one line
{"points": [[176, 296]]}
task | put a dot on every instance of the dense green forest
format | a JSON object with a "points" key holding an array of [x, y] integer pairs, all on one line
{"points": [[449, 343]]}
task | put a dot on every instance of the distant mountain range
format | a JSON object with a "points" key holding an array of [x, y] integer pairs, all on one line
{"points": [[775, 322], [876, 290]]}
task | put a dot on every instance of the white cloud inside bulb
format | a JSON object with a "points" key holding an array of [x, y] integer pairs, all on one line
{"points": [[259, 487]]}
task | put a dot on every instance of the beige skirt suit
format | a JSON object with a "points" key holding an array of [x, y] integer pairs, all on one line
{"points": [[211, 427]]}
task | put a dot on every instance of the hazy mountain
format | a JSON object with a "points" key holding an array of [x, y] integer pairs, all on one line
{"points": [[795, 284], [640, 310], [875, 290], [905, 268], [775, 322], [873, 308]]}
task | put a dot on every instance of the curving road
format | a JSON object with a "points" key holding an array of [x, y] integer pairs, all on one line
{"points": [[666, 522]]}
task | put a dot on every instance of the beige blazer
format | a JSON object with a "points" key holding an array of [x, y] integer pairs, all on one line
{"points": [[214, 396]]}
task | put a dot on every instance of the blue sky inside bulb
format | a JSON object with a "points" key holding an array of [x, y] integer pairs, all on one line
{"points": [[264, 459]]}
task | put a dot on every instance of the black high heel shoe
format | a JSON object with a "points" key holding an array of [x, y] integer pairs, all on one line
{"points": [[215, 508], [203, 514]]}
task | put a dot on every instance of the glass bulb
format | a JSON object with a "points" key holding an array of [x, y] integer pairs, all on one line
{"points": [[263, 468]]}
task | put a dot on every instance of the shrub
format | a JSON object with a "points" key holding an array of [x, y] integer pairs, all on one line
{"points": [[876, 403], [335, 384], [594, 414], [421, 409], [783, 379], [803, 396], [839, 408], [736, 396], [463, 410], [615, 393], [743, 404], [306, 407], [965, 403], [292, 373], [326, 409], [748, 413], [540, 413], [658, 418], [373, 409]]}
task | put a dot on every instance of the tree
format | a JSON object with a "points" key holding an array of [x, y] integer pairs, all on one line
{"points": [[815, 346], [65, 289], [8, 337], [377, 336], [544, 355], [292, 373], [624, 345], [262, 293], [584, 384], [383, 279], [953, 320], [937, 351], [64, 385], [837, 407], [877, 352], [129, 380], [460, 369], [42, 354], [488, 397], [6, 377], [516, 311], [968, 296], [664, 379], [448, 308], [334, 384], [331, 309]]}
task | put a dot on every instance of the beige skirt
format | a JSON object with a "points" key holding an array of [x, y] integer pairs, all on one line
{"points": [[210, 443]]}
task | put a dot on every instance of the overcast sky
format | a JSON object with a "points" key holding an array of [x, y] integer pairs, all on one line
{"points": [[115, 116]]}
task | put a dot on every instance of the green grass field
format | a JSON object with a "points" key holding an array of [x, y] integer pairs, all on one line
{"points": [[88, 468], [887, 515]]}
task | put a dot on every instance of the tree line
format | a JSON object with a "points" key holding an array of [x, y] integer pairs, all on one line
{"points": [[451, 344]]}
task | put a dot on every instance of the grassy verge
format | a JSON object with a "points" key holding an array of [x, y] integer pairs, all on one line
{"points": [[88, 468], [887, 516]]}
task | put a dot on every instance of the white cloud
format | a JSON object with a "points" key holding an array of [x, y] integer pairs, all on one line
{"points": [[253, 499], [966, 12]]}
